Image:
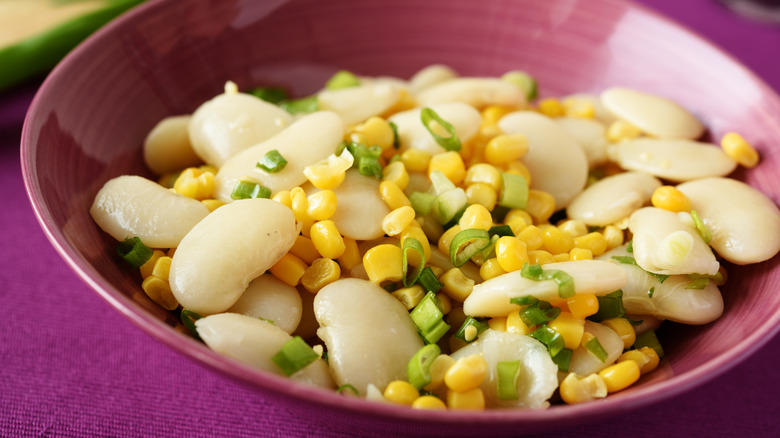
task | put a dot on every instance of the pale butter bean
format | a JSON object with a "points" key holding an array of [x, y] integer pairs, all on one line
{"points": [[254, 342], [557, 163], [232, 122], [269, 298], [590, 134], [430, 75], [465, 119], [613, 198], [308, 140], [585, 363], [358, 103], [653, 114], [133, 206], [477, 92], [167, 147], [538, 378], [665, 244], [744, 223], [492, 298], [674, 160], [235, 244], [369, 334]]}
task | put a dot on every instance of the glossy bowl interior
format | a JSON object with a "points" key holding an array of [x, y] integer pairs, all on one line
{"points": [[88, 121]]}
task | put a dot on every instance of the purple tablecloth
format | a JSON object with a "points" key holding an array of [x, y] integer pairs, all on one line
{"points": [[72, 366]]}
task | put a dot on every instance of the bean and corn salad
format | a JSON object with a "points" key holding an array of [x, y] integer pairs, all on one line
{"points": [[442, 242]]}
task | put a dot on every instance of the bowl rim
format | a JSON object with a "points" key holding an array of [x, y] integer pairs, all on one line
{"points": [[280, 386]]}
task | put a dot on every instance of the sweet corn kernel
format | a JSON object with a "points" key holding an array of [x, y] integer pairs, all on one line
{"points": [[620, 130], [321, 205], [401, 392], [162, 267], [212, 204], [476, 216], [579, 108], [620, 375], [320, 274], [613, 235], [304, 249], [438, 370], [351, 256], [469, 400], [194, 183], [456, 285], [593, 241], [739, 149], [383, 263], [466, 373], [669, 198], [415, 160], [540, 257], [570, 327], [429, 402], [515, 324], [393, 196], [160, 292], [376, 131], [574, 389], [556, 241], [490, 269], [299, 204], [283, 197], [562, 257], [289, 269], [513, 217], [147, 268], [446, 238], [498, 323], [410, 296], [532, 236], [327, 240], [541, 205], [580, 254], [490, 117], [398, 219], [445, 304], [574, 227], [482, 194], [450, 164], [518, 168], [582, 306], [483, 173], [511, 253], [396, 172], [506, 148], [652, 362], [622, 327], [550, 107]]}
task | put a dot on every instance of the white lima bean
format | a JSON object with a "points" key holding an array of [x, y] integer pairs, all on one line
{"points": [[669, 243], [412, 133], [558, 164], [590, 134], [254, 342], [235, 244], [492, 298], [167, 147], [232, 122], [477, 92], [584, 363], [538, 378], [133, 206], [613, 198], [653, 114], [430, 75], [671, 299], [269, 298], [369, 334], [358, 103], [674, 160], [744, 223], [310, 139]]}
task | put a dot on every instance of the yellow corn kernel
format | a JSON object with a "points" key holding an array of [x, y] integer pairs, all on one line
{"points": [[415, 160], [541, 205], [162, 267], [450, 164], [511, 253], [579, 108], [283, 197], [160, 292], [351, 256], [405, 102], [446, 238], [490, 269], [320, 274], [410, 296], [512, 219], [570, 327], [556, 241], [466, 373], [550, 107], [438, 370], [456, 285], [593, 241], [322, 205], [562, 257], [613, 235], [669, 198], [498, 323], [383, 263], [429, 402], [398, 219], [482, 194], [401, 392], [483, 173], [490, 117], [473, 400], [652, 362], [736, 147], [515, 324], [532, 236], [580, 254], [414, 231], [194, 183], [574, 389], [637, 356], [445, 304], [147, 268], [620, 130], [299, 204], [622, 327], [327, 240], [540, 257], [376, 131], [518, 168], [393, 196], [582, 306], [167, 180], [289, 269], [212, 204], [574, 227], [620, 375], [505, 149], [396, 172], [304, 249], [476, 216]]}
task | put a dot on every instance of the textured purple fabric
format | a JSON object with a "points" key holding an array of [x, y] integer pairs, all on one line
{"points": [[71, 366]]}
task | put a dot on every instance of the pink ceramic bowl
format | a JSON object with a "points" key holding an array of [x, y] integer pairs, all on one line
{"points": [[88, 121]]}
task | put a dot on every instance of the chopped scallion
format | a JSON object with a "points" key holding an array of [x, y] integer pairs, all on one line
{"points": [[347, 387], [414, 244], [524, 81], [550, 338], [501, 230], [563, 359], [564, 281], [429, 319], [342, 79], [422, 202], [366, 158], [396, 139], [303, 105], [704, 232], [270, 94], [470, 329], [294, 356], [697, 282], [610, 306], [628, 260], [467, 243], [272, 161], [514, 191], [418, 370], [249, 189], [648, 338], [595, 348], [538, 313], [134, 251], [451, 142], [507, 374], [651, 292], [428, 280], [188, 319], [449, 205]]}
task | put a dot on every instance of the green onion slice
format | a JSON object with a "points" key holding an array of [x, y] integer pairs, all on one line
{"points": [[303, 105], [347, 387], [563, 359], [595, 348], [440, 182], [422, 202], [514, 191], [366, 158], [428, 280], [134, 251], [697, 282], [467, 243], [524, 300], [273, 95], [550, 338], [501, 230], [507, 373], [272, 161], [414, 244], [704, 232], [342, 79], [429, 319], [449, 205], [249, 190], [294, 356], [396, 139], [649, 339], [418, 370], [565, 281], [610, 306], [451, 142], [188, 318], [630, 247], [470, 329], [628, 260], [651, 292], [524, 81], [538, 313]]}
